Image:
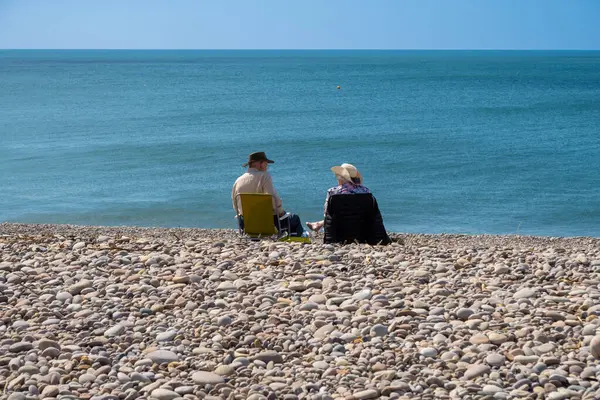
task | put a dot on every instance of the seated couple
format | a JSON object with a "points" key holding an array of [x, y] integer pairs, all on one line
{"points": [[258, 180]]}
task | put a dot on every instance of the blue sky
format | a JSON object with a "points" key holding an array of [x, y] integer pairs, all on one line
{"points": [[300, 24]]}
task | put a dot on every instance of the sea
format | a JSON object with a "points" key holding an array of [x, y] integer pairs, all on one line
{"points": [[472, 142]]}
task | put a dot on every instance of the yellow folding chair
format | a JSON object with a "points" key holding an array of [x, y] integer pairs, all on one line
{"points": [[257, 211]]}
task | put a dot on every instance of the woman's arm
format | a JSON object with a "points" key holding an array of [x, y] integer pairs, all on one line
{"points": [[326, 202]]}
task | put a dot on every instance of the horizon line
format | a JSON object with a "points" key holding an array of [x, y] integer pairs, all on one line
{"points": [[273, 49]]}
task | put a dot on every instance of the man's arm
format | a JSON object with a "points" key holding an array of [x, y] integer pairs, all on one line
{"points": [[233, 199], [269, 188]]}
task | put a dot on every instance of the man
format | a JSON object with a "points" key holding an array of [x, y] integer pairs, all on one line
{"points": [[258, 180]]}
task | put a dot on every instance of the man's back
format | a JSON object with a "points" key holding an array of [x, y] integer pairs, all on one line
{"points": [[255, 181]]}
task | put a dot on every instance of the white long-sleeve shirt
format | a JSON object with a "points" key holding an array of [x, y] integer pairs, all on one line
{"points": [[255, 181]]}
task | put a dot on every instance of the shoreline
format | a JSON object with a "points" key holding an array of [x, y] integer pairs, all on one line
{"points": [[13, 228], [103, 313]]}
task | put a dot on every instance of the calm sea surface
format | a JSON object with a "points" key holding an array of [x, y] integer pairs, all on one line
{"points": [[457, 142]]}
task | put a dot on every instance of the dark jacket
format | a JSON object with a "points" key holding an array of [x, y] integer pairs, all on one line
{"points": [[354, 218]]}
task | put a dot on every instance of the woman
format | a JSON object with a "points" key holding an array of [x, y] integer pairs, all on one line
{"points": [[349, 182]]}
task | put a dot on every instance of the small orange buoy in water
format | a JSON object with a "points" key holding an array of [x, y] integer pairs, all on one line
{"points": [[339, 87]]}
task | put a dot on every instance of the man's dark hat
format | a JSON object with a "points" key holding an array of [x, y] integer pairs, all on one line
{"points": [[258, 156]]}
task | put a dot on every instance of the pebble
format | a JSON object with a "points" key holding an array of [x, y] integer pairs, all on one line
{"points": [[464, 313], [522, 359], [476, 370], [497, 338], [495, 359], [114, 331], [50, 391], [269, 356], [479, 338], [80, 286], [47, 344], [162, 356], [85, 378], [206, 378], [363, 295], [164, 394], [595, 346], [379, 330], [224, 370], [524, 293], [165, 336], [366, 394], [20, 325], [20, 347], [428, 352], [78, 245], [490, 390]]}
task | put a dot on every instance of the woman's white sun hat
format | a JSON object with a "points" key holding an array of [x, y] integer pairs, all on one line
{"points": [[345, 171]]}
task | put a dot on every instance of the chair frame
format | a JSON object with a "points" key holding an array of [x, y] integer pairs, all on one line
{"points": [[279, 235]]}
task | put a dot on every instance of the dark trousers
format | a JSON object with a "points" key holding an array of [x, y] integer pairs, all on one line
{"points": [[295, 224]]}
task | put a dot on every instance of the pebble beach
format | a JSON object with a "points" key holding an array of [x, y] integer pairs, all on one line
{"points": [[162, 314]]}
